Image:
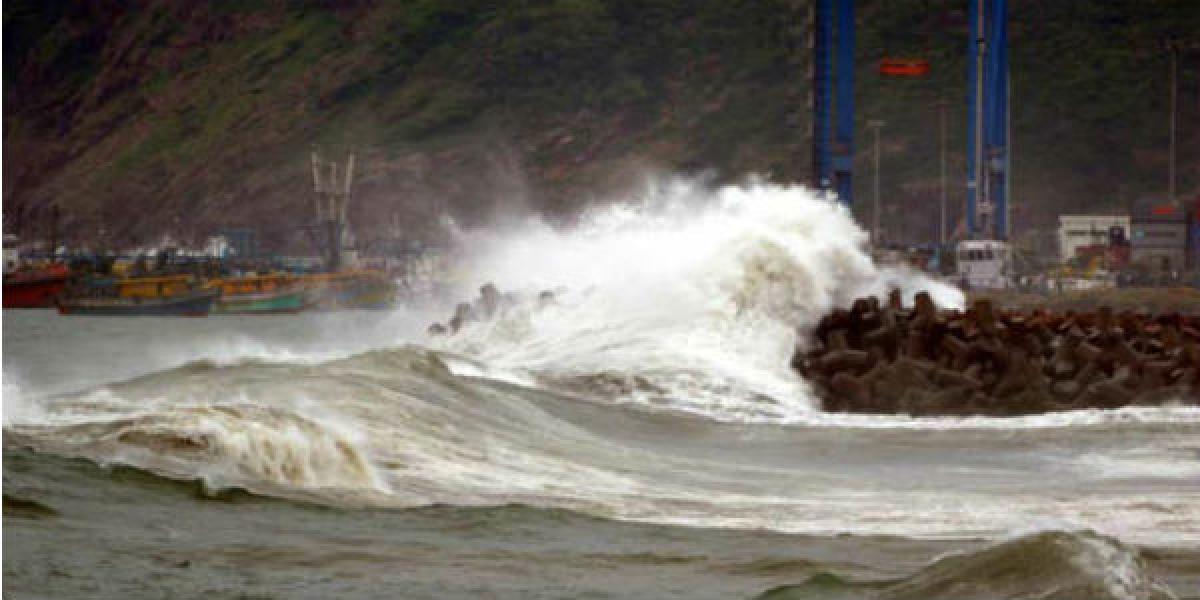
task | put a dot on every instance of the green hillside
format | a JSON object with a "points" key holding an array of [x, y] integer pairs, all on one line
{"points": [[147, 117]]}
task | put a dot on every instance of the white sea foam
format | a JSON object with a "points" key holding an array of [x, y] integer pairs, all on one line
{"points": [[1182, 416], [18, 406], [700, 292]]}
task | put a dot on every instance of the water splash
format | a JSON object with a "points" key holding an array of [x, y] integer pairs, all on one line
{"points": [[691, 296]]}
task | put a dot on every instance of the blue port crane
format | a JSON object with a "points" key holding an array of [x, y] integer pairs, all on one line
{"points": [[833, 97], [987, 108]]}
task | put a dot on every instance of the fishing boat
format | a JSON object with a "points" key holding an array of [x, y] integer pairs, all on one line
{"points": [[260, 294], [358, 289], [172, 295], [34, 287]]}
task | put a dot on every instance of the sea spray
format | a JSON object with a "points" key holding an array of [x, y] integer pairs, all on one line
{"points": [[693, 295]]}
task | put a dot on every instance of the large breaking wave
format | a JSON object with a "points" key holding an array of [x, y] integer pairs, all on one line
{"points": [[687, 297]]}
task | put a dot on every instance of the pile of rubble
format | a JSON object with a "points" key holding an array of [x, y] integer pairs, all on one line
{"points": [[889, 359]]}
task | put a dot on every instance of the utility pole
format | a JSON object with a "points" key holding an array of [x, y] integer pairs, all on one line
{"points": [[1173, 52], [876, 124], [942, 175]]}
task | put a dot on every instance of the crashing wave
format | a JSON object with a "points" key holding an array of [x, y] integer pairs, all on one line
{"points": [[700, 292]]}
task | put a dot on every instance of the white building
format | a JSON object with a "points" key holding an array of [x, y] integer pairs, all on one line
{"points": [[11, 258], [217, 245], [984, 264], [1075, 231]]}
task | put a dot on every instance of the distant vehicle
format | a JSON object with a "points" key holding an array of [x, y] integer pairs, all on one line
{"points": [[985, 264]]}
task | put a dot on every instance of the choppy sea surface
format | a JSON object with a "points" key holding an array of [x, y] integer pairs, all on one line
{"points": [[640, 436]]}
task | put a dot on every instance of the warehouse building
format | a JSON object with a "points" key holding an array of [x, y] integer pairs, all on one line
{"points": [[1086, 231], [1160, 238]]}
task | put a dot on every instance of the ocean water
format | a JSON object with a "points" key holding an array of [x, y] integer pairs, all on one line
{"points": [[640, 435]]}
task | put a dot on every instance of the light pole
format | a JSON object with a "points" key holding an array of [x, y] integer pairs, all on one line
{"points": [[1173, 53], [942, 167], [876, 124], [1174, 47]]}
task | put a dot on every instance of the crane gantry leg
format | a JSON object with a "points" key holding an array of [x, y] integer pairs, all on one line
{"points": [[833, 96]]}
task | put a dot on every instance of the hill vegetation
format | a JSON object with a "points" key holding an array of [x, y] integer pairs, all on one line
{"points": [[145, 117]]}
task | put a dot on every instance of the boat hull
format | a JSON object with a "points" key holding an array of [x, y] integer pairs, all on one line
{"points": [[191, 305], [352, 292], [262, 303], [351, 300], [36, 290]]}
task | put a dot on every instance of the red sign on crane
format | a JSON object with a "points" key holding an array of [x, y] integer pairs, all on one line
{"points": [[903, 67]]}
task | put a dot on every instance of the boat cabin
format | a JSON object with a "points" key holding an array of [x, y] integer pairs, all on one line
{"points": [[155, 287], [255, 284]]}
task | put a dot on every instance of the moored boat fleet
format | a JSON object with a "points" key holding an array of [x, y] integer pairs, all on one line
{"points": [[231, 275], [194, 296]]}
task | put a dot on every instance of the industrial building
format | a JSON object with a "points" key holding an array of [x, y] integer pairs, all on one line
{"points": [[1160, 237], [1076, 232]]}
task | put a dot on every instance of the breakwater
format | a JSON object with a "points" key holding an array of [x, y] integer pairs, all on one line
{"points": [[884, 357]]}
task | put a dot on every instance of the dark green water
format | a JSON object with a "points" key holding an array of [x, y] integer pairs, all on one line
{"points": [[76, 530], [97, 533], [254, 459]]}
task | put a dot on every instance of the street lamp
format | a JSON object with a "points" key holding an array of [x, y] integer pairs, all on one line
{"points": [[1173, 53], [942, 175], [1174, 47], [876, 124]]}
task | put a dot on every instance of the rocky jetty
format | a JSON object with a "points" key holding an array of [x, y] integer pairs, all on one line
{"points": [[883, 357], [489, 305]]}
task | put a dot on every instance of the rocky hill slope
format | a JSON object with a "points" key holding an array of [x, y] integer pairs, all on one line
{"points": [[144, 117]]}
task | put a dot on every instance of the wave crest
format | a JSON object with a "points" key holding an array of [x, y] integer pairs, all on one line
{"points": [[1051, 565]]}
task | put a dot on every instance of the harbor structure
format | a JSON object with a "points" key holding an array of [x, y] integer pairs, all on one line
{"points": [[1076, 232], [1160, 237]]}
